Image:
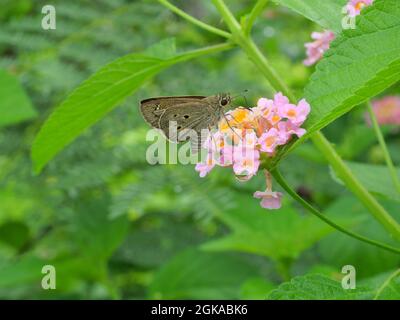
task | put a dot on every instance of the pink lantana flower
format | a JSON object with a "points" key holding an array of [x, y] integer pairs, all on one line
{"points": [[287, 129], [322, 40], [316, 49], [386, 110], [206, 167], [354, 7], [269, 141], [269, 198], [246, 163], [244, 134], [296, 114]]}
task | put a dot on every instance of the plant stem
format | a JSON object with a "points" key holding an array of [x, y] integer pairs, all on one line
{"points": [[247, 44], [228, 17], [202, 51], [344, 173], [255, 12], [381, 139], [252, 51], [195, 21], [279, 178]]}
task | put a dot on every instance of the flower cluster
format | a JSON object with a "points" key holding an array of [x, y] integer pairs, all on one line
{"points": [[316, 49], [248, 133], [322, 40], [354, 7], [386, 110]]}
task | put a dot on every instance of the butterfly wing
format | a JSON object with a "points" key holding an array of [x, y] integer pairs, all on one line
{"points": [[182, 118], [187, 121], [152, 109]]}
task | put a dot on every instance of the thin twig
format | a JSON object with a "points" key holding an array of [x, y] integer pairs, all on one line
{"points": [[195, 21], [386, 154], [255, 12]]}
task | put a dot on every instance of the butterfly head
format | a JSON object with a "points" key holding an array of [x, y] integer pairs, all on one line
{"points": [[224, 99]]}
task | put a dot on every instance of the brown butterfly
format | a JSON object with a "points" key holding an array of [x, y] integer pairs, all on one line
{"points": [[189, 113]]}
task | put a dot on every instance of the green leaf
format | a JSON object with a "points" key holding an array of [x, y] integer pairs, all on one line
{"points": [[15, 105], [376, 178], [195, 274], [165, 49], [321, 287], [313, 287], [280, 234], [327, 13], [390, 288], [25, 270], [360, 64], [338, 249], [101, 93]]}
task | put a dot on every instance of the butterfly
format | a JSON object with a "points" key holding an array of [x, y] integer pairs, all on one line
{"points": [[191, 114]]}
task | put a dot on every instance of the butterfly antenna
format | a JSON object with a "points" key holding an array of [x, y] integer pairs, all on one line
{"points": [[242, 95]]}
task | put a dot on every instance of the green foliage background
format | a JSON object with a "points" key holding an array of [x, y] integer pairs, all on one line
{"points": [[115, 226]]}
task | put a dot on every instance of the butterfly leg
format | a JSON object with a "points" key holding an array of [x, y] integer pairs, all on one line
{"points": [[229, 125]]}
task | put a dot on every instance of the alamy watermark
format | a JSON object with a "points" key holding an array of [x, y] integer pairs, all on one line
{"points": [[349, 280], [348, 22], [49, 278], [211, 146], [49, 20]]}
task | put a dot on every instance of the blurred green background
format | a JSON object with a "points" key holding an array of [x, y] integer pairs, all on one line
{"points": [[116, 227]]}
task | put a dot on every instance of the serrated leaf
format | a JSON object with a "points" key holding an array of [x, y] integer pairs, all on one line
{"points": [[313, 287], [98, 95], [390, 288], [360, 64], [375, 178], [15, 105], [327, 13], [194, 274]]}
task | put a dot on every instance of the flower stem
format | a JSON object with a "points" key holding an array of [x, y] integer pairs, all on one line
{"points": [[381, 139], [247, 44], [279, 178], [195, 21]]}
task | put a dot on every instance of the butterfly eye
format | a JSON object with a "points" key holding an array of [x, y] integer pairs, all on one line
{"points": [[224, 102], [186, 116]]}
